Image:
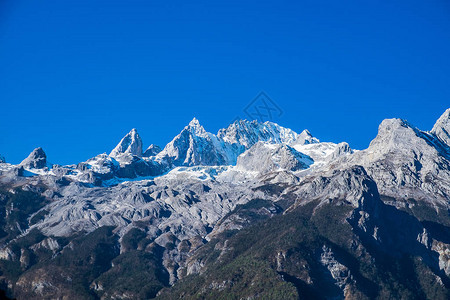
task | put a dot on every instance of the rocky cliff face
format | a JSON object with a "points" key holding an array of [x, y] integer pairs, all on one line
{"points": [[194, 146], [36, 160], [407, 163], [264, 158], [130, 144], [256, 211]]}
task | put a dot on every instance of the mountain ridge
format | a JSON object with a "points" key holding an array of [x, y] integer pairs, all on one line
{"points": [[256, 210]]}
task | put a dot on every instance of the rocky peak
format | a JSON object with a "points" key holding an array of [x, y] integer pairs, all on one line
{"points": [[36, 160], [152, 150], [2, 159], [195, 146], [341, 149], [195, 128], [442, 127], [248, 133], [264, 157], [391, 133], [130, 144], [305, 138]]}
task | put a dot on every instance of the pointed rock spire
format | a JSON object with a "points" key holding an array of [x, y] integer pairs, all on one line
{"points": [[194, 122], [2, 159], [442, 127], [195, 127], [195, 146], [130, 144], [36, 160]]}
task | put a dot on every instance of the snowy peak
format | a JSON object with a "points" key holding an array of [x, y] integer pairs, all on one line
{"points": [[194, 146], [130, 144], [306, 138], [442, 127], [195, 128], [152, 150], [36, 160], [248, 133], [194, 122]]}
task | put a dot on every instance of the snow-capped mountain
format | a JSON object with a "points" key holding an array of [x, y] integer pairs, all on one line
{"points": [[247, 133], [152, 150], [297, 215], [130, 144], [194, 146], [36, 160]]}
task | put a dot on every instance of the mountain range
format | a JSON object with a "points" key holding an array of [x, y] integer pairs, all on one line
{"points": [[254, 211]]}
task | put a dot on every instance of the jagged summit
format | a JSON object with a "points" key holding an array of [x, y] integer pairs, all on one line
{"points": [[195, 127], [2, 159], [130, 144], [195, 146], [248, 133], [36, 160], [194, 122], [441, 128]]}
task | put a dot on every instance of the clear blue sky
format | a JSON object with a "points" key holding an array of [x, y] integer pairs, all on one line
{"points": [[75, 76]]}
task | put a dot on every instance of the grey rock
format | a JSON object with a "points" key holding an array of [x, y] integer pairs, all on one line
{"points": [[194, 146], [264, 158], [406, 162], [152, 150], [341, 149], [130, 144], [36, 160]]}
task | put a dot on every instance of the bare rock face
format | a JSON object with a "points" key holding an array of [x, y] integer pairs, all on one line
{"points": [[339, 272], [2, 159], [265, 158], [36, 160], [353, 185], [130, 144], [442, 127], [406, 163], [341, 149]]}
